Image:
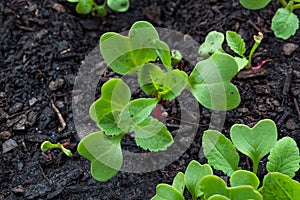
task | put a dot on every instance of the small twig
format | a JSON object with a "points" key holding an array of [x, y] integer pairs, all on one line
{"points": [[297, 108], [43, 173], [253, 25], [60, 117]]}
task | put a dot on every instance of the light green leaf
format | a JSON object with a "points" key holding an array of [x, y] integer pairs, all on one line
{"points": [[104, 153], [193, 175], [135, 112], [284, 157], [210, 82], [125, 55], [118, 5], [243, 177], [108, 124], [163, 52], [83, 7], [277, 186], [212, 185], [254, 4], [241, 62], [178, 182], [72, 1], [236, 43], [175, 82], [284, 23], [167, 192], [220, 152], [46, 145], [218, 197], [254, 142], [150, 78], [152, 135], [115, 95], [212, 44]]}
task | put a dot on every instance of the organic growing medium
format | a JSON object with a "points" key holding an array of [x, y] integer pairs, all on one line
{"points": [[284, 23], [91, 6], [256, 142], [116, 114], [214, 41]]}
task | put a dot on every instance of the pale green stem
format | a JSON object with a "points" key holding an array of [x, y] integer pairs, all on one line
{"points": [[296, 6], [254, 47], [255, 165], [283, 3]]}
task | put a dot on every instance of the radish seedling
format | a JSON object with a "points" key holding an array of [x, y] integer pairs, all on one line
{"points": [[284, 23], [48, 145]]}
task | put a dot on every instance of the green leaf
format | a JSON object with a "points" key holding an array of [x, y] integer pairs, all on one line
{"points": [[174, 83], [84, 6], [101, 11], [125, 55], [167, 192], [254, 142], [243, 177], [163, 52], [241, 62], [220, 152], [150, 78], [193, 175], [218, 197], [165, 85], [254, 4], [115, 95], [284, 157], [210, 82], [136, 112], [104, 153], [212, 185], [212, 44], [152, 135], [118, 5], [176, 57], [72, 1], [277, 186], [46, 145], [236, 43], [284, 23], [108, 124], [178, 182]]}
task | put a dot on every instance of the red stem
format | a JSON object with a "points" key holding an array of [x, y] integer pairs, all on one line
{"points": [[157, 112], [260, 65], [65, 144]]}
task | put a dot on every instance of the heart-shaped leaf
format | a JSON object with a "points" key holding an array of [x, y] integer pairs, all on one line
{"points": [[278, 186], [135, 112], [285, 23], [212, 44], [254, 142], [178, 182], [104, 153], [213, 185], [284, 157], [118, 5], [254, 4], [152, 135], [243, 177], [193, 175], [84, 6], [167, 192], [115, 95], [210, 82], [126, 54], [220, 152]]}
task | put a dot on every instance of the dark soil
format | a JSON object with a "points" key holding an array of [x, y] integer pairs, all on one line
{"points": [[42, 46]]}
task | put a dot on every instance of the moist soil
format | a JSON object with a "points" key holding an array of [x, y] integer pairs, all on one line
{"points": [[43, 44]]}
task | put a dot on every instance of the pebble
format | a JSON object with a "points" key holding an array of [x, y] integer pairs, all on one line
{"points": [[243, 110], [58, 83], [20, 125], [5, 135], [290, 124], [8, 145], [289, 48], [18, 190], [32, 101], [58, 7]]}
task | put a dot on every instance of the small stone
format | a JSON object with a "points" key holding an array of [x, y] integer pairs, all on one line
{"points": [[296, 73], [8, 145], [60, 104], [243, 110], [58, 83], [18, 190], [2, 95], [58, 7], [289, 48], [5, 135], [15, 108], [32, 101], [290, 124], [20, 125]]}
